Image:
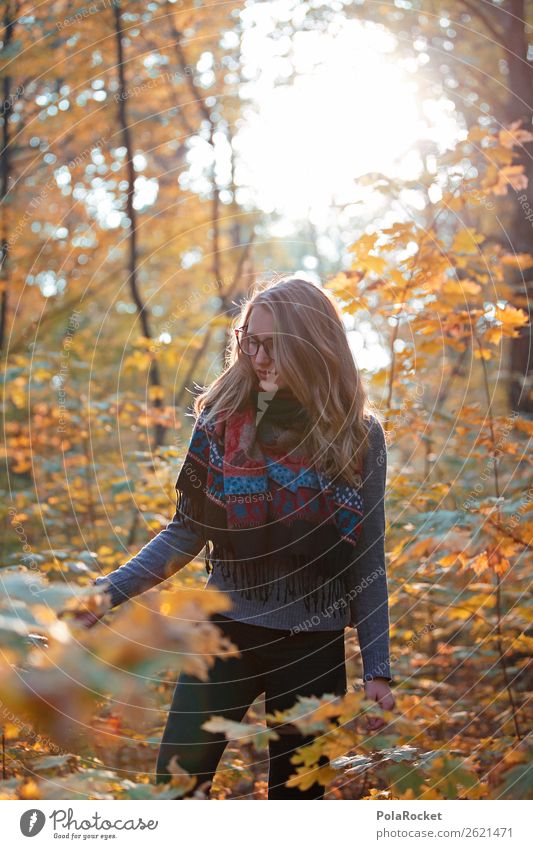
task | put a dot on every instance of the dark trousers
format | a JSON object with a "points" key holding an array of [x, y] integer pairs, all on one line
{"points": [[277, 663]]}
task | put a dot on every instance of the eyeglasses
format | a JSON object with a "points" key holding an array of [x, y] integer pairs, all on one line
{"points": [[249, 345]]}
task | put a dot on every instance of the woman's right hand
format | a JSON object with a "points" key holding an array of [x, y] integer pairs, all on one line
{"points": [[92, 612]]}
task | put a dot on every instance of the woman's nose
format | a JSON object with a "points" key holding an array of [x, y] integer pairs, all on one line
{"points": [[261, 358]]}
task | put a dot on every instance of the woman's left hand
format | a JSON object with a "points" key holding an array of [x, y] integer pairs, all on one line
{"points": [[378, 690]]}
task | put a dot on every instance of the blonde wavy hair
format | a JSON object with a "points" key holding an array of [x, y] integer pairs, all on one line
{"points": [[312, 355]]}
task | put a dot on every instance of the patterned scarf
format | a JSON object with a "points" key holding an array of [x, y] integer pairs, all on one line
{"points": [[259, 506]]}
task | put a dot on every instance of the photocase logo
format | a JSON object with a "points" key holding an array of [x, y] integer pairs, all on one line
{"points": [[32, 822], [263, 399]]}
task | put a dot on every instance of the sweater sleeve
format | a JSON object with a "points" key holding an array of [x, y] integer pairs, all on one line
{"points": [[165, 554], [369, 602]]}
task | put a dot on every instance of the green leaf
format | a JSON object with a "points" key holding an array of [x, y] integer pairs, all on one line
{"points": [[518, 782], [123, 486], [52, 762], [11, 373], [403, 777], [247, 732]]}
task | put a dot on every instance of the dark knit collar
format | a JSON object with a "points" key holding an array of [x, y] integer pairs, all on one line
{"points": [[281, 408]]}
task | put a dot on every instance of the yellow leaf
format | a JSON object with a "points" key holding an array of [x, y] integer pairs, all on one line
{"points": [[467, 240], [512, 175], [374, 263], [11, 731], [447, 560], [305, 777], [29, 790], [476, 133], [500, 564], [523, 644], [155, 393], [138, 360], [493, 335], [521, 261], [510, 318], [461, 287], [479, 563], [362, 257], [514, 135]]}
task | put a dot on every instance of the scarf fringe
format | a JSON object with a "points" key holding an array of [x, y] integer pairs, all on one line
{"points": [[259, 579], [190, 511]]}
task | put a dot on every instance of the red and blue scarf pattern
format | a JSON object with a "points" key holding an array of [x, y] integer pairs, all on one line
{"points": [[256, 506]]}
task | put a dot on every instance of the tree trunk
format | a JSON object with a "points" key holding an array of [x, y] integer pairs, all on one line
{"points": [[6, 109], [153, 374], [521, 106]]}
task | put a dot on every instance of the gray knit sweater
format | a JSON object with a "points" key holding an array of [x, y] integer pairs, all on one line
{"points": [[364, 607]]}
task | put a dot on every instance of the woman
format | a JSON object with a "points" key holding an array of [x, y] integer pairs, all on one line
{"points": [[285, 479]]}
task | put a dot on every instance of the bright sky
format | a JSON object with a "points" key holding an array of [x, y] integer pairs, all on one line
{"points": [[351, 110], [304, 144]]}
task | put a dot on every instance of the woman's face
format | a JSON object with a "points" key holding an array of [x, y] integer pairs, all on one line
{"points": [[261, 327]]}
